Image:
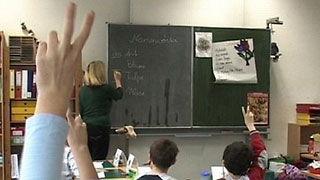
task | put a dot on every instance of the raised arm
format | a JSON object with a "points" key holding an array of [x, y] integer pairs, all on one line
{"points": [[117, 77], [56, 64], [78, 142], [116, 93], [260, 162]]}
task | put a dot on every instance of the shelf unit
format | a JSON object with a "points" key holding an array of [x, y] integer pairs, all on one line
{"points": [[5, 121], [25, 104], [299, 135]]}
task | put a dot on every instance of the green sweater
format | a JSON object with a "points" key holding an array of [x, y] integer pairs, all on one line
{"points": [[95, 103]]}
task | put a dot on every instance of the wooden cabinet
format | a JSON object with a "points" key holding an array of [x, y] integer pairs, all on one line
{"points": [[299, 135]]}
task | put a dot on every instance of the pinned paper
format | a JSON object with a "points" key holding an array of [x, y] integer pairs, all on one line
{"points": [[234, 62], [203, 44]]}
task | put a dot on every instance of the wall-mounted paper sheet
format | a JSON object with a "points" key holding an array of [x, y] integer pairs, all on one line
{"points": [[203, 44], [234, 61]]}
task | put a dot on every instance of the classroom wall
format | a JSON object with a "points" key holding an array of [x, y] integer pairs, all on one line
{"points": [[188, 12], [43, 16], [295, 77]]}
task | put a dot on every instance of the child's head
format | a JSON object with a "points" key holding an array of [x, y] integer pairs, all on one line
{"points": [[238, 158], [163, 153], [95, 74]]}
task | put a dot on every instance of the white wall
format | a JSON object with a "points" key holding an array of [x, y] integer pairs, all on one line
{"points": [[43, 16], [226, 13], [295, 77]]}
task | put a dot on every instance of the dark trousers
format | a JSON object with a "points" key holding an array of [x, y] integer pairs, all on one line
{"points": [[98, 141]]}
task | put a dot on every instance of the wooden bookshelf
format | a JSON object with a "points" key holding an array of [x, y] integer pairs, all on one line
{"points": [[22, 64], [5, 110], [18, 122], [299, 135], [18, 65]]}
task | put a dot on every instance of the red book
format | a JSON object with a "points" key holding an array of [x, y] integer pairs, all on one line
{"points": [[34, 87], [18, 84]]}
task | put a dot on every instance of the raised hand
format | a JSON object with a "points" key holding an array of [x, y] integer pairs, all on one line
{"points": [[248, 119], [56, 63]]}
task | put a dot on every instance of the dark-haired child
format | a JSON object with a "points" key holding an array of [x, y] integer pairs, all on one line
{"points": [[162, 155], [243, 162]]}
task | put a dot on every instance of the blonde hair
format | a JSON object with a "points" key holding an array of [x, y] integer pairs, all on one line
{"points": [[95, 74]]}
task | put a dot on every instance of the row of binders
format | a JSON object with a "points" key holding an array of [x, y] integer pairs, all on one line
{"points": [[22, 84], [308, 114]]}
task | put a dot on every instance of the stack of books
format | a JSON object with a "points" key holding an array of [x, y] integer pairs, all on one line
{"points": [[308, 114], [22, 49]]}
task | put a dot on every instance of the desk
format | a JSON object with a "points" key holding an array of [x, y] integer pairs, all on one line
{"points": [[306, 172], [123, 168], [310, 156]]}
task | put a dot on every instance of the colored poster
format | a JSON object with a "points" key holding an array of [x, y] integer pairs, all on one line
{"points": [[258, 103]]}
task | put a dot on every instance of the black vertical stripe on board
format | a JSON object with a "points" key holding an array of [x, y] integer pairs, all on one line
{"points": [[166, 95]]}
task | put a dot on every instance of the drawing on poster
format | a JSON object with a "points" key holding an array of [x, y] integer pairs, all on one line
{"points": [[244, 51]]}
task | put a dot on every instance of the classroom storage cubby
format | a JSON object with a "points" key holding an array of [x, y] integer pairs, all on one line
{"points": [[299, 135]]}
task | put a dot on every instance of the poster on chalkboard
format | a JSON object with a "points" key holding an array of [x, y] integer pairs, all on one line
{"points": [[258, 103], [234, 61], [203, 44]]}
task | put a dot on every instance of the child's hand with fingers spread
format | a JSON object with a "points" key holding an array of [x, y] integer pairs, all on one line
{"points": [[56, 62]]}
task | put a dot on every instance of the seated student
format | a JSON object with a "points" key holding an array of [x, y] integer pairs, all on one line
{"points": [[47, 130], [70, 169], [162, 155], [242, 162]]}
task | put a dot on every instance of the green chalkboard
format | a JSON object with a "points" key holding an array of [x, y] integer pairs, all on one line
{"points": [[156, 65], [220, 104]]}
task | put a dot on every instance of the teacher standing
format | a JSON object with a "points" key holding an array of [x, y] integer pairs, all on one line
{"points": [[96, 98]]}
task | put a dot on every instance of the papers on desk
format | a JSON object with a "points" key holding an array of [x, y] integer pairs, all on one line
{"points": [[98, 165], [218, 172], [101, 175], [143, 170], [112, 173]]}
